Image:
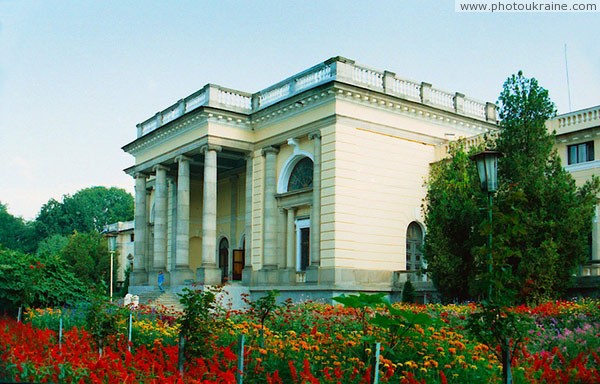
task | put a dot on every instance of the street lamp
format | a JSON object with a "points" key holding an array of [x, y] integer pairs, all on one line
{"points": [[112, 246], [487, 168]]}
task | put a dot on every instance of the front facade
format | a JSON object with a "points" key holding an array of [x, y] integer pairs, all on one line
{"points": [[312, 186], [578, 144]]}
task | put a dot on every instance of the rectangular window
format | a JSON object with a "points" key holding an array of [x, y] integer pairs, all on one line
{"points": [[580, 153]]}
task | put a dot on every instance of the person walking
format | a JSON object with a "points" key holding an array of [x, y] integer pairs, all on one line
{"points": [[161, 281]]}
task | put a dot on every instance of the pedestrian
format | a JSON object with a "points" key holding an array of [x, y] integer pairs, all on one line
{"points": [[161, 280]]}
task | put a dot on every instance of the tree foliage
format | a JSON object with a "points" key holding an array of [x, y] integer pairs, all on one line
{"points": [[90, 209], [34, 281], [541, 219], [87, 255], [452, 219], [15, 233]]}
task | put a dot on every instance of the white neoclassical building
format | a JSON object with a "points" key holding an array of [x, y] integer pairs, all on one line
{"points": [[312, 186]]}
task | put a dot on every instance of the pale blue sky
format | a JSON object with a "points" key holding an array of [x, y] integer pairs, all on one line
{"points": [[76, 76]]}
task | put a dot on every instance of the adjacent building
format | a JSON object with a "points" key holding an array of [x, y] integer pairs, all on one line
{"points": [[312, 186], [578, 144], [121, 241]]}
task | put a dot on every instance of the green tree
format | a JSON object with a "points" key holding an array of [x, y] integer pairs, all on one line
{"points": [[52, 245], [34, 281], [541, 219], [16, 233], [87, 255], [452, 219], [90, 209]]}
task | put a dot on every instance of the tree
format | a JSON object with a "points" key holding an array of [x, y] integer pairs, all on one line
{"points": [[87, 256], [35, 281], [541, 219], [452, 218], [90, 209], [15, 233]]}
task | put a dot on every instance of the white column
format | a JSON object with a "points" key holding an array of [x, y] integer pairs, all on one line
{"points": [[160, 218], [233, 180], [140, 226], [209, 207], [247, 272], [290, 243], [270, 209], [182, 246], [315, 213]]}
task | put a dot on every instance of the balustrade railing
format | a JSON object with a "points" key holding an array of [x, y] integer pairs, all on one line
{"points": [[406, 88], [474, 108], [442, 98], [300, 277], [339, 69], [368, 77], [583, 116]]}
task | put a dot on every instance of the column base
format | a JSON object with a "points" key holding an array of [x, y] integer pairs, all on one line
{"points": [[312, 274], [182, 276], [268, 277], [247, 276], [138, 278], [287, 276], [208, 275]]}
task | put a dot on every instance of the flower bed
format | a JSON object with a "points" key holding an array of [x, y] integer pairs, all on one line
{"points": [[310, 343]]}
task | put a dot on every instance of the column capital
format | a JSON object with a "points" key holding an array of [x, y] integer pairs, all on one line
{"points": [[140, 175], [270, 150], [314, 135], [210, 147], [181, 158], [159, 167]]}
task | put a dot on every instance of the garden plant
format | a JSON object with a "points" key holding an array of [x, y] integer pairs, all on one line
{"points": [[306, 342]]}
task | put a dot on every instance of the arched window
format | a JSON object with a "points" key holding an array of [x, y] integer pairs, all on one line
{"points": [[224, 258], [414, 245], [301, 176]]}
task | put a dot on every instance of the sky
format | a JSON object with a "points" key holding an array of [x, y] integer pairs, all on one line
{"points": [[77, 76]]}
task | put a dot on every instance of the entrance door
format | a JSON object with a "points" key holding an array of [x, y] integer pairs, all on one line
{"points": [[224, 259], [238, 264]]}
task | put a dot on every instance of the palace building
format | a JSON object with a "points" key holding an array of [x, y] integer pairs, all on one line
{"points": [[578, 145], [312, 186]]}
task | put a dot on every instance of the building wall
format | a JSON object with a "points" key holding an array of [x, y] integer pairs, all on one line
{"points": [[574, 128]]}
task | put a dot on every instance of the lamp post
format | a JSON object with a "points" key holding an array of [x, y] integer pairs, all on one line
{"points": [[487, 168], [112, 246]]}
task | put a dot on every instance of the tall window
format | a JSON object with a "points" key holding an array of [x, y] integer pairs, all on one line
{"points": [[302, 244], [580, 153], [301, 176], [414, 243]]}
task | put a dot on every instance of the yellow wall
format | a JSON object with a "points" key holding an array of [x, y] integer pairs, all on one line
{"points": [[378, 192]]}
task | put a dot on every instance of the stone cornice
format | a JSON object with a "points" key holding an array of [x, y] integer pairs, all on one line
{"points": [[412, 109], [184, 124], [302, 103]]}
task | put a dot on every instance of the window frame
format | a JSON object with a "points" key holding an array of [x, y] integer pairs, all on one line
{"points": [[580, 152]]}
